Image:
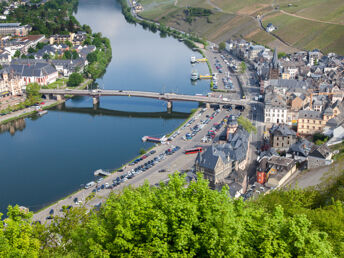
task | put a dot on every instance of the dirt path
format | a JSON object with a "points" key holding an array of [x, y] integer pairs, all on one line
{"points": [[310, 19], [214, 5]]}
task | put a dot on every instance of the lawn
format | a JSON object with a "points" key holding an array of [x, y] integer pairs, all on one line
{"points": [[58, 84]]}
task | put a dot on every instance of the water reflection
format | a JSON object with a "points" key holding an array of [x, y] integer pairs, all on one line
{"points": [[13, 127]]}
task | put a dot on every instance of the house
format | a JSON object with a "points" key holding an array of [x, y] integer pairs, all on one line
{"points": [[11, 83], [58, 39], [270, 27], [219, 160], [67, 67], [275, 110], [319, 156], [282, 137], [300, 150], [310, 122], [274, 171]]}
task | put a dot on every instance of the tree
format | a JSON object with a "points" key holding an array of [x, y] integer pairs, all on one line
{"points": [[46, 56], [68, 43], [281, 54], [142, 151], [173, 220], [243, 67], [31, 50], [75, 79], [32, 91], [246, 124], [75, 54], [92, 57], [222, 46], [67, 55], [17, 54]]}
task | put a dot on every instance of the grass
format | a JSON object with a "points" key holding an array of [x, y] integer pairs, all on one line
{"points": [[58, 84], [304, 34]]}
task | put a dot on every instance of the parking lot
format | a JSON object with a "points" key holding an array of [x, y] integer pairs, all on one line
{"points": [[156, 165]]}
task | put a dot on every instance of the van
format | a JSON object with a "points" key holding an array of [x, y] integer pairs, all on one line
{"points": [[90, 184]]}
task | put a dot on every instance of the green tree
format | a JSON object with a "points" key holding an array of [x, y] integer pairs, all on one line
{"points": [[67, 55], [281, 54], [75, 54], [243, 67], [75, 79], [31, 50], [142, 151], [46, 56], [16, 238], [92, 57], [246, 124], [17, 54], [222, 46], [32, 92], [68, 43]]}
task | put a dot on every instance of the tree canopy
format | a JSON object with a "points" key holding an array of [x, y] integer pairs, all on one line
{"points": [[75, 79], [173, 220], [246, 124]]}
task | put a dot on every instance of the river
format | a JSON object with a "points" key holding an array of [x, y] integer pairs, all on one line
{"points": [[44, 159]]}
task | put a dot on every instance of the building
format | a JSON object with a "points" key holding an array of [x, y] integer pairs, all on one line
{"points": [[319, 156], [274, 171], [282, 137], [10, 84], [220, 160], [58, 39], [36, 72], [270, 27], [14, 29], [67, 67], [274, 66], [310, 122], [275, 110]]}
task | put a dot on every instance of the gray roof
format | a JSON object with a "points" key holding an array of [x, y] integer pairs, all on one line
{"points": [[282, 130], [37, 69], [301, 148], [234, 150], [10, 24], [310, 114]]}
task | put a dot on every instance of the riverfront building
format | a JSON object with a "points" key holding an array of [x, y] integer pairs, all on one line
{"points": [[14, 29]]}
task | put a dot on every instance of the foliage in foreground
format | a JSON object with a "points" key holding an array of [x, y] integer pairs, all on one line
{"points": [[174, 220]]}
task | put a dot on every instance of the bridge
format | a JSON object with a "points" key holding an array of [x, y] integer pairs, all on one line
{"points": [[168, 97]]}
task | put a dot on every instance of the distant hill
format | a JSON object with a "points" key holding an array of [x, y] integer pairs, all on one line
{"points": [[301, 24]]}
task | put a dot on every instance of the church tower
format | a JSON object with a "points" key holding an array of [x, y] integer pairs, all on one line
{"points": [[274, 66]]}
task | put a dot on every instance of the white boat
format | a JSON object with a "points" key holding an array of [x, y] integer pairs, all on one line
{"points": [[194, 75], [42, 112], [193, 59]]}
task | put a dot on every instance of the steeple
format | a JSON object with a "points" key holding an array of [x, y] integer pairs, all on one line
{"points": [[275, 60]]}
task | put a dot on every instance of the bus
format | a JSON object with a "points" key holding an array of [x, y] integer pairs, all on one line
{"points": [[192, 151]]}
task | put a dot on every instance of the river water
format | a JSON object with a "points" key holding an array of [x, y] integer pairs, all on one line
{"points": [[44, 159]]}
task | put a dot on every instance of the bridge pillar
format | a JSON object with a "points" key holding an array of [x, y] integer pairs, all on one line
{"points": [[169, 105], [207, 105], [59, 98], [95, 100]]}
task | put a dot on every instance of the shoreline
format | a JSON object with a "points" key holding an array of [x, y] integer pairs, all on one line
{"points": [[55, 103]]}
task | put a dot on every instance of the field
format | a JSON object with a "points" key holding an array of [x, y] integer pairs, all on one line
{"points": [[302, 24]]}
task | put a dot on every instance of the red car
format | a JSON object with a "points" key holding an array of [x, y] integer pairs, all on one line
{"points": [[42, 103]]}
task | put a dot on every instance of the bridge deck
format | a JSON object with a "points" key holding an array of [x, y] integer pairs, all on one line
{"points": [[145, 94]]}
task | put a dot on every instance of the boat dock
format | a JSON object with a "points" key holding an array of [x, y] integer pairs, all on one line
{"points": [[101, 172]]}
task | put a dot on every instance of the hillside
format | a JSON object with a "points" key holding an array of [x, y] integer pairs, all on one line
{"points": [[301, 24], [173, 220]]}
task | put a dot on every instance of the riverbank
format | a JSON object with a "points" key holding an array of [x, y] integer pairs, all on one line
{"points": [[23, 113]]}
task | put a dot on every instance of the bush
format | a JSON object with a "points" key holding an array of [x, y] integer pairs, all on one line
{"points": [[75, 79]]}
